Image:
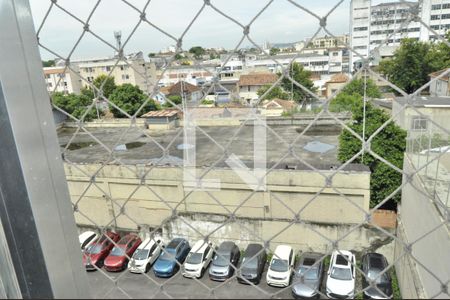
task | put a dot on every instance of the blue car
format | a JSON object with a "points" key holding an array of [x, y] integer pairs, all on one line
{"points": [[166, 264]]}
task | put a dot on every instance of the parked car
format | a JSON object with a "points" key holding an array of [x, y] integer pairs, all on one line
{"points": [[252, 264], [227, 255], [372, 265], [95, 254], [281, 266], [86, 238], [198, 259], [174, 254], [341, 275], [308, 276], [145, 255], [118, 257]]}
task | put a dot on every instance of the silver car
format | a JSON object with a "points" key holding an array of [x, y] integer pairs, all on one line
{"points": [[308, 276], [221, 266]]}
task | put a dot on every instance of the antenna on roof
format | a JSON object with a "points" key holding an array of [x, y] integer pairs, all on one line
{"points": [[118, 37]]}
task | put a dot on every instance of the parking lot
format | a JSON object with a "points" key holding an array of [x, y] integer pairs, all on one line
{"points": [[146, 286]]}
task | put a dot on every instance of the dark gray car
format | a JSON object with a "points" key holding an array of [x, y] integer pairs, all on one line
{"points": [[308, 276], [226, 255]]}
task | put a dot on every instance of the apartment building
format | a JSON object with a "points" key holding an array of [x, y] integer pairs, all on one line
{"points": [[196, 75], [374, 27], [329, 41], [132, 69], [60, 79]]}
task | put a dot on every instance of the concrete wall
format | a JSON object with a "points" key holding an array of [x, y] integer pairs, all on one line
{"points": [[108, 123], [439, 116], [419, 218], [258, 216], [288, 188]]}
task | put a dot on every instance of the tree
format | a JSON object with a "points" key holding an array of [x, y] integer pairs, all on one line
{"points": [[130, 98], [197, 51], [390, 143], [151, 54], [75, 105], [357, 86], [413, 61], [302, 76], [274, 51], [108, 84], [276, 92], [178, 56], [48, 63], [345, 102], [176, 99]]}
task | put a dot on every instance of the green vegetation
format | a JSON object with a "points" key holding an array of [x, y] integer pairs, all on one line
{"points": [[395, 288], [197, 51], [353, 94], [106, 83], [207, 102], [76, 105], [130, 98], [48, 63], [176, 99], [151, 54], [178, 56], [413, 61], [389, 143], [274, 51], [287, 89], [276, 92]]}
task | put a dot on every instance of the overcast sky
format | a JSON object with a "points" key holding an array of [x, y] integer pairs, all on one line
{"points": [[281, 22]]}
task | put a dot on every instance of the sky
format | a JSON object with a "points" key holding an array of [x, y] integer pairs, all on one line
{"points": [[281, 22]]}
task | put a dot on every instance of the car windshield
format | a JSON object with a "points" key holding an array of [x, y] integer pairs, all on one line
{"points": [[341, 273], [168, 254], [249, 262], [279, 265], [308, 273], [221, 261], [94, 249], [141, 254], [194, 258], [374, 275], [117, 251]]}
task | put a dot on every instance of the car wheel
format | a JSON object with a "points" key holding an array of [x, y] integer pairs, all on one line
{"points": [[202, 272], [147, 268]]}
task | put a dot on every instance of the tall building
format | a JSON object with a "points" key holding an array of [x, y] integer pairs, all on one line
{"points": [[384, 25], [132, 69]]}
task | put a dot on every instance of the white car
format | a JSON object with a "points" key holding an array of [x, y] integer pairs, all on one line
{"points": [[145, 255], [281, 266], [87, 238], [198, 259], [341, 275]]}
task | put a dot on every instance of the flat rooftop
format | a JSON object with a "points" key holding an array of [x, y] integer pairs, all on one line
{"points": [[133, 146]]}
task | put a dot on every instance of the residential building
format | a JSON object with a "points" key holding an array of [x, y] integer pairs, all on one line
{"points": [[336, 82], [386, 24], [184, 89], [417, 116], [440, 86], [131, 69], [249, 85], [195, 75], [329, 41], [61, 79], [276, 107]]}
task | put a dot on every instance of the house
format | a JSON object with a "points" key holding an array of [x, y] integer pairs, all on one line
{"points": [[162, 119], [276, 107], [249, 84], [440, 86], [336, 82], [416, 117], [184, 89]]}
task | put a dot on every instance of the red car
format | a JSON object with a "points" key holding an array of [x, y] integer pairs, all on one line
{"points": [[117, 259], [96, 253]]}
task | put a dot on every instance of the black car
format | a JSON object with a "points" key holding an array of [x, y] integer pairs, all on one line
{"points": [[226, 255], [372, 265], [252, 264]]}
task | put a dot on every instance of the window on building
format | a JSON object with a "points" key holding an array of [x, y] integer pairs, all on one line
{"points": [[435, 7], [335, 53], [49, 84], [435, 17], [108, 68], [419, 123], [360, 28], [47, 76], [125, 76]]}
